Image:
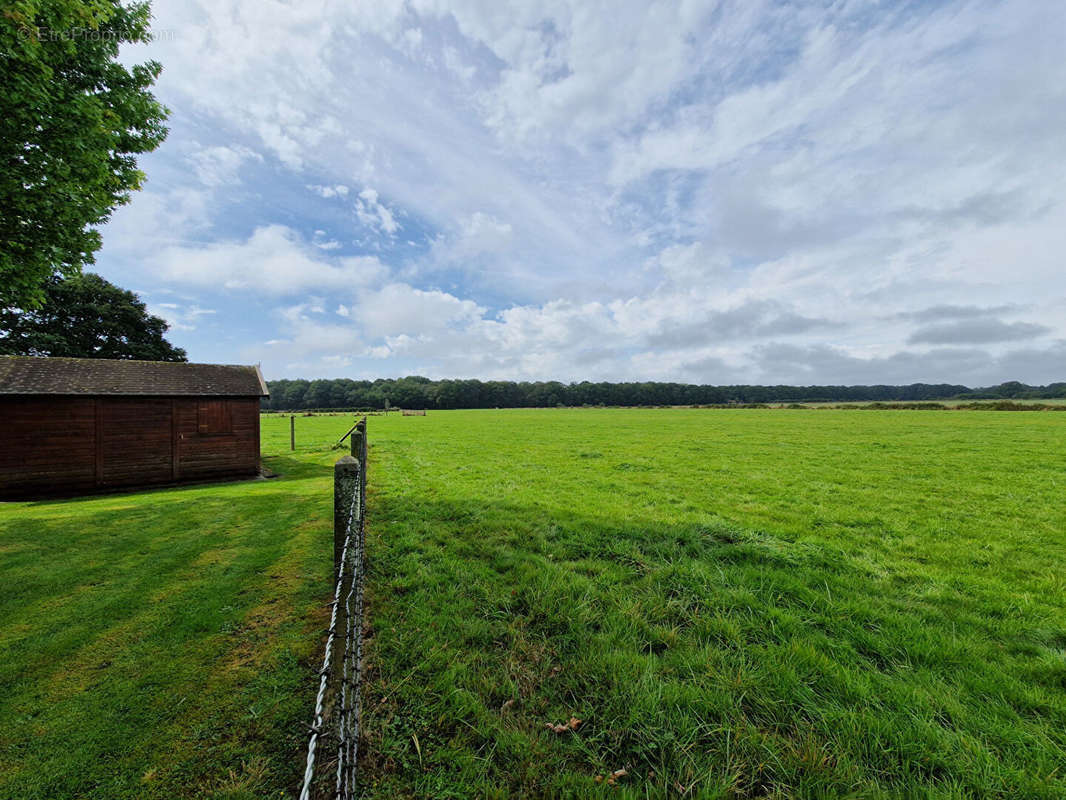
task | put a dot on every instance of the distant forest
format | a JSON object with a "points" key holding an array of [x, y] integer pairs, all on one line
{"points": [[418, 392]]}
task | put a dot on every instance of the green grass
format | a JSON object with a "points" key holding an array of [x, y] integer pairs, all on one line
{"points": [[162, 644], [1055, 402], [735, 603]]}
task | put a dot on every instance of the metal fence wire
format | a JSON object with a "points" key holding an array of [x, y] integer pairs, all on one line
{"points": [[332, 749]]}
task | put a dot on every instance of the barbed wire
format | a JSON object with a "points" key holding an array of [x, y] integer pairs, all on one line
{"points": [[348, 728], [349, 572]]}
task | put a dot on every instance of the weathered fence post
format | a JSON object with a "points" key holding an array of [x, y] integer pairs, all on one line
{"points": [[356, 439], [347, 480], [292, 432], [361, 427]]}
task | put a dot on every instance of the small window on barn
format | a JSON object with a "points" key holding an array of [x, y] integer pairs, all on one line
{"points": [[213, 417]]}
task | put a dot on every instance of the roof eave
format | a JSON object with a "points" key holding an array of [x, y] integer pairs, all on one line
{"points": [[262, 382]]}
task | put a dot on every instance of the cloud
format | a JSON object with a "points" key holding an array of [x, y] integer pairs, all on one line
{"points": [[783, 363], [482, 233], [689, 262], [749, 321], [977, 331], [375, 214], [939, 313], [401, 309], [273, 260], [621, 191], [323, 242], [219, 165], [339, 190], [310, 342], [178, 316], [475, 236]]}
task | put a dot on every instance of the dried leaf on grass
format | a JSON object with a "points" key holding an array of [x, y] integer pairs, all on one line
{"points": [[612, 779], [563, 727]]}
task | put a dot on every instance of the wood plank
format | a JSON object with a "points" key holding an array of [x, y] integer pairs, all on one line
{"points": [[175, 463], [256, 426], [98, 405]]}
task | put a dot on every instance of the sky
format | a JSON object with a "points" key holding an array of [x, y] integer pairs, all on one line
{"points": [[708, 192]]}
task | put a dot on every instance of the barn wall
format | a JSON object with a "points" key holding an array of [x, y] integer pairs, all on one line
{"points": [[53, 445], [134, 441], [46, 442], [202, 455]]}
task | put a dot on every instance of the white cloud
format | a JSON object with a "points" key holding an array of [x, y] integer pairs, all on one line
{"points": [[646, 190], [220, 165], [322, 241], [375, 214], [690, 262], [579, 69], [338, 190], [310, 341], [475, 237], [178, 316], [401, 309], [273, 260], [483, 233]]}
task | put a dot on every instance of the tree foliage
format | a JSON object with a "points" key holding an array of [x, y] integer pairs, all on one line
{"points": [[72, 120], [86, 317], [418, 392]]}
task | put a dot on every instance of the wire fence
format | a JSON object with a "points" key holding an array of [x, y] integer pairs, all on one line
{"points": [[333, 746]]}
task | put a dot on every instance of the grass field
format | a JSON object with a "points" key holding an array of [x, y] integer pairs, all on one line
{"points": [[1054, 402], [162, 644], [734, 603]]}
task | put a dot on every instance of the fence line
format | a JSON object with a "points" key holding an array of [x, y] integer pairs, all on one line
{"points": [[335, 723]]}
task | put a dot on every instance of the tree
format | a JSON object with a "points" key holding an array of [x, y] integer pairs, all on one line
{"points": [[294, 397], [418, 392], [86, 317], [72, 120], [318, 394]]}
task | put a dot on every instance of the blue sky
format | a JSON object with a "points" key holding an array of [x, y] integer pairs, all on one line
{"points": [[714, 192]]}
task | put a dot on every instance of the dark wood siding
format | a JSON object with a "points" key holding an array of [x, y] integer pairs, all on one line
{"points": [[51, 445], [42, 443], [212, 416], [134, 441], [204, 454]]}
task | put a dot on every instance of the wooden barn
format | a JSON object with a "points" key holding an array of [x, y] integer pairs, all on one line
{"points": [[76, 425]]}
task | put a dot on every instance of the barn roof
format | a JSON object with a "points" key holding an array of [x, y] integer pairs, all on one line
{"points": [[95, 376]]}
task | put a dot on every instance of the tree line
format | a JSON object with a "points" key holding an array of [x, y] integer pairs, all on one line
{"points": [[418, 392]]}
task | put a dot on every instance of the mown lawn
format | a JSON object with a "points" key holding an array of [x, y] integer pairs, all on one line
{"points": [[734, 603], [163, 644]]}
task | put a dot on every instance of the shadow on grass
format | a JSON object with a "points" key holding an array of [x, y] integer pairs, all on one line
{"points": [[295, 467], [291, 467]]}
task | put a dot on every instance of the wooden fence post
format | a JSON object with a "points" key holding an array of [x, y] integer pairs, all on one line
{"points": [[292, 432], [347, 480], [361, 430], [361, 427]]}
